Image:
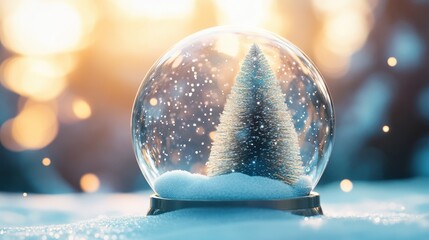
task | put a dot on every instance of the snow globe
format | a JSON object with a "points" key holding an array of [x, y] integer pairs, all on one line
{"points": [[233, 117]]}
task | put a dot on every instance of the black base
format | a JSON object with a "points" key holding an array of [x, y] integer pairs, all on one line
{"points": [[305, 206]]}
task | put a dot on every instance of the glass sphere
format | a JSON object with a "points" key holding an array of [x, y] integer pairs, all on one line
{"points": [[233, 100]]}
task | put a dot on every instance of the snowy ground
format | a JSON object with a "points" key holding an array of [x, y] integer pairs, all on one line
{"points": [[387, 210]]}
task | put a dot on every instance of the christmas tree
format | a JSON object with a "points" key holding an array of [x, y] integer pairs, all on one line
{"points": [[256, 135]]}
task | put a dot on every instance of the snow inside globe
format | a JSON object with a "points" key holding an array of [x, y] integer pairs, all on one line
{"points": [[233, 114]]}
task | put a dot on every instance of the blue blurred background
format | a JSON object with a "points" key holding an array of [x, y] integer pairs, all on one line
{"points": [[70, 70]]}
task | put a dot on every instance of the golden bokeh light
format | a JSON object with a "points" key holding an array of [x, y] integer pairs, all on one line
{"points": [[212, 135], [346, 185], [66, 113], [35, 127], [338, 41], [81, 109], [342, 39], [36, 78], [334, 6], [160, 9], [43, 27], [89, 182], [242, 12], [6, 138], [46, 162], [386, 128], [391, 61], [153, 101], [228, 44], [326, 58]]}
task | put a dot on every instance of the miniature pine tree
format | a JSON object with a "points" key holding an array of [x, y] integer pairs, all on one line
{"points": [[256, 135]]}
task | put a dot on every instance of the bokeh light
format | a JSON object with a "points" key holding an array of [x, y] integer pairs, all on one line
{"points": [[153, 101], [37, 78], [242, 12], [386, 128], [212, 135], [160, 9], [52, 26], [89, 182], [391, 61], [338, 39], [346, 185], [46, 162], [6, 138], [81, 109], [35, 126]]}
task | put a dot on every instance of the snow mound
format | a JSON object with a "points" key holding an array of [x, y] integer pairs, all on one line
{"points": [[234, 186]]}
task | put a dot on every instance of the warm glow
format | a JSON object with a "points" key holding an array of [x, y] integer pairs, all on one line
{"points": [[89, 182], [386, 128], [42, 27], [346, 185], [212, 135], [242, 12], [160, 9], [391, 61], [228, 44], [81, 109], [335, 6], [46, 162], [153, 101], [342, 39], [346, 25], [35, 127], [6, 138], [37, 78], [332, 64]]}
